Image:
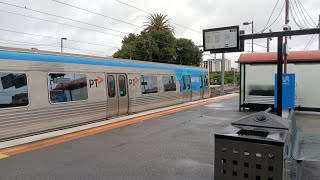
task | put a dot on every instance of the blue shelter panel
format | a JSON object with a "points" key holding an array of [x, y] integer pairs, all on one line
{"points": [[288, 91]]}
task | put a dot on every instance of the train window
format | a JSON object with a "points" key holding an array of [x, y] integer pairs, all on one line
{"points": [[111, 86], [186, 81], [67, 87], [206, 81], [169, 83], [184, 84], [13, 90], [122, 85], [149, 84]]}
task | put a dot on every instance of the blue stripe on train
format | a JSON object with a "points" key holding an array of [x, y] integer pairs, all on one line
{"points": [[179, 71]]}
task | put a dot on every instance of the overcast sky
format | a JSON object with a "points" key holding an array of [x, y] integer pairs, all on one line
{"points": [[194, 14]]}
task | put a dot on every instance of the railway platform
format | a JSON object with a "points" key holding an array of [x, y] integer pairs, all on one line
{"points": [[174, 143]]}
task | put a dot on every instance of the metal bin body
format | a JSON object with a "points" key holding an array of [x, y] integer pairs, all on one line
{"points": [[255, 147]]}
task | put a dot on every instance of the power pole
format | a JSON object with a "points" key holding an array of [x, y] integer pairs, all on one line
{"points": [[286, 39], [248, 23], [222, 74], [268, 42], [252, 38], [62, 39]]}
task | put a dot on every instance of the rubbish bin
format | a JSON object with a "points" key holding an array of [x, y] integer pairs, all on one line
{"points": [[256, 147]]}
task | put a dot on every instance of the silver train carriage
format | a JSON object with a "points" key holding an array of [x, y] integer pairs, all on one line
{"points": [[43, 91]]}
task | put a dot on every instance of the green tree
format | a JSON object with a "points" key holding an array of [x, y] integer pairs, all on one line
{"points": [[157, 43], [158, 23], [187, 52], [165, 43], [215, 77]]}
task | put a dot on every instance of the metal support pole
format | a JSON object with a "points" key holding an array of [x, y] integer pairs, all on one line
{"points": [[61, 44], [279, 72], [222, 74], [252, 38], [240, 83], [319, 34], [234, 77], [244, 84]]}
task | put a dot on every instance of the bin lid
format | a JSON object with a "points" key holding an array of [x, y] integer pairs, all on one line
{"points": [[263, 119]]}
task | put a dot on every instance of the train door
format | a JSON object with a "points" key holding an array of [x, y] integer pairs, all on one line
{"points": [[201, 87], [118, 99], [123, 97], [187, 91]]}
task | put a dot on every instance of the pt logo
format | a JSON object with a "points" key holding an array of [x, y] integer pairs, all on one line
{"points": [[95, 82], [133, 81]]}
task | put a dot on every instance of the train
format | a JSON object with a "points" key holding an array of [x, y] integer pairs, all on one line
{"points": [[42, 91]]}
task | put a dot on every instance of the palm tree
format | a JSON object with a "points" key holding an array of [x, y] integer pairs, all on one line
{"points": [[158, 22]]}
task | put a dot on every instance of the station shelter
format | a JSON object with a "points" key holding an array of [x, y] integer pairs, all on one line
{"points": [[257, 79]]}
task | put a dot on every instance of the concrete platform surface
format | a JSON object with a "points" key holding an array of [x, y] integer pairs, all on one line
{"points": [[177, 146]]}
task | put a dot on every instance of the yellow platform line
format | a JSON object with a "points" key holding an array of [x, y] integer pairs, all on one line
{"points": [[68, 137], [2, 156]]}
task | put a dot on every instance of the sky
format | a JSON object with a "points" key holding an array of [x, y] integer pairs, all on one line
{"points": [[89, 33]]}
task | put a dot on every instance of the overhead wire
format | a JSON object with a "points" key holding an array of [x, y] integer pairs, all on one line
{"points": [[86, 50], [103, 15], [307, 13], [299, 15], [99, 14], [26, 3], [70, 19], [31, 34], [29, 43], [258, 45], [25, 44], [109, 17], [76, 51], [139, 9], [294, 15], [70, 25], [51, 37], [186, 27], [303, 14], [310, 42], [76, 41], [22, 43], [274, 8], [18, 14], [133, 7], [275, 19]]}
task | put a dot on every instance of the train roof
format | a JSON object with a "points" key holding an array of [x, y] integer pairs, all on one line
{"points": [[49, 56], [271, 57]]}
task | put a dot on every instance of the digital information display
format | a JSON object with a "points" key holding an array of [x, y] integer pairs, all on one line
{"points": [[224, 39]]}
